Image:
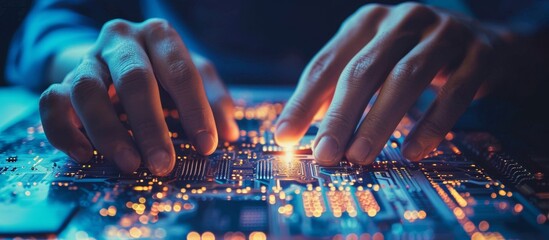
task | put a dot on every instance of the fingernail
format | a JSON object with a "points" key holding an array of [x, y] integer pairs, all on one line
{"points": [[413, 151], [359, 150], [205, 143], [128, 161], [282, 132], [159, 162], [326, 150], [81, 154]]}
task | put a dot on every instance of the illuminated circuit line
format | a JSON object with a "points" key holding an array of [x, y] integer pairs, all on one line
{"points": [[468, 226], [459, 199]]}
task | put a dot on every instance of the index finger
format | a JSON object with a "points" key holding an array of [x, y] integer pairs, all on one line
{"points": [[179, 77], [317, 84]]}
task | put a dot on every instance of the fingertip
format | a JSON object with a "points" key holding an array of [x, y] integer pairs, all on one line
{"points": [[412, 150], [227, 127], [231, 133], [128, 161], [325, 163], [206, 143], [326, 151], [160, 162], [357, 158], [285, 135], [81, 154], [168, 168], [359, 152]]}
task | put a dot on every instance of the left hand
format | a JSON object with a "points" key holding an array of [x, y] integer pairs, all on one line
{"points": [[397, 50]]}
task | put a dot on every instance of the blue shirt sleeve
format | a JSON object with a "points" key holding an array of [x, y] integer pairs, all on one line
{"points": [[53, 25]]}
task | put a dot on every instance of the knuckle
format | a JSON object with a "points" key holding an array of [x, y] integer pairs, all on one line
{"points": [[316, 71], [132, 71], [84, 89], [133, 77], [84, 86], [408, 5], [405, 70], [50, 97], [179, 69], [124, 56], [159, 23], [415, 15], [357, 69], [415, 9], [118, 26], [179, 75], [339, 120], [158, 26], [87, 76], [363, 14], [370, 9]]}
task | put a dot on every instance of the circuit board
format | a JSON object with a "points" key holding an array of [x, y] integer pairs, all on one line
{"points": [[254, 189]]}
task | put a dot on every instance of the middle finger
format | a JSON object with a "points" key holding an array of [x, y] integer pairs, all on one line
{"points": [[363, 75], [136, 86]]}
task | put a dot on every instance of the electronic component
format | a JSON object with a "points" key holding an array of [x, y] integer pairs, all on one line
{"points": [[254, 189], [11, 159]]}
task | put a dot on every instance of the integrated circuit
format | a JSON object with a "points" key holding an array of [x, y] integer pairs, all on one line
{"points": [[255, 189]]}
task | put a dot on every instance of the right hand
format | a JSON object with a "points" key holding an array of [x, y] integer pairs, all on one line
{"points": [[137, 58]]}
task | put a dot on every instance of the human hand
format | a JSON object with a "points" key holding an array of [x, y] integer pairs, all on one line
{"points": [[137, 59], [397, 50]]}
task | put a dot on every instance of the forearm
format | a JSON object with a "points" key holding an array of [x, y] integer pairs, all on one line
{"points": [[54, 37]]}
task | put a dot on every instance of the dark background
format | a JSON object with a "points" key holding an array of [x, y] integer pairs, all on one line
{"points": [[12, 13]]}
